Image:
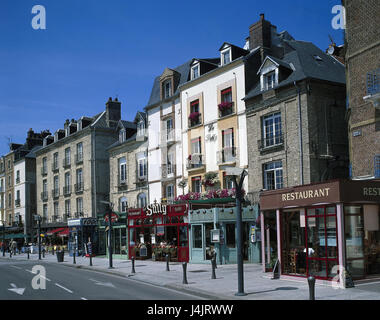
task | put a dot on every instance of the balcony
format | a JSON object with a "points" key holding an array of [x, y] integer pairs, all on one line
{"points": [[44, 196], [17, 202], [79, 187], [271, 144], [226, 109], [17, 180], [78, 214], [122, 184], [2, 189], [54, 167], [195, 162], [227, 156], [66, 190], [170, 136], [44, 171], [373, 88], [79, 158], [66, 163], [55, 193], [195, 119]]}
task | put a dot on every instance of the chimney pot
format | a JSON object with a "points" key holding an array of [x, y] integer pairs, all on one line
{"points": [[262, 16]]}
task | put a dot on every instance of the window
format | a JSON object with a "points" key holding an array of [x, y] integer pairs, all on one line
{"points": [[56, 213], [141, 200], [197, 236], [272, 130], [44, 165], [10, 200], [167, 88], [170, 192], [194, 106], [373, 82], [44, 186], [122, 136], [377, 167], [270, 80], [123, 170], [79, 207], [196, 184], [273, 177], [169, 130], [195, 72], [123, 204], [67, 188], [228, 182], [80, 152], [142, 167], [226, 95], [18, 176], [196, 146], [170, 160], [9, 181], [67, 159], [56, 186], [67, 208], [45, 211], [141, 128], [230, 235], [55, 161], [79, 177], [226, 57], [228, 145], [9, 164]]}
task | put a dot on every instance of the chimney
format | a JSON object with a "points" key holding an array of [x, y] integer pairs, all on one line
{"points": [[260, 33], [113, 112], [33, 139]]}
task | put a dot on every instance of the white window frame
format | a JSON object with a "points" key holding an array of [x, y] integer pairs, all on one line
{"points": [[79, 205], [140, 203], [167, 90], [122, 135], [193, 74], [276, 171], [169, 192], [142, 163], [123, 203], [223, 56], [122, 169]]}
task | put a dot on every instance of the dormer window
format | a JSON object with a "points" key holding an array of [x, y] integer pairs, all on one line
{"points": [[195, 72], [167, 88], [270, 80], [141, 128], [226, 56], [122, 136]]}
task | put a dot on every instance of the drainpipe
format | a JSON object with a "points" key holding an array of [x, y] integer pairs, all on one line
{"points": [[300, 131]]}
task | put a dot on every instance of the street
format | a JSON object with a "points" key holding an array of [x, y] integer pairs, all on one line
{"points": [[64, 283]]}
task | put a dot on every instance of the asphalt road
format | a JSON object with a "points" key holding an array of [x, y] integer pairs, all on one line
{"points": [[67, 283]]}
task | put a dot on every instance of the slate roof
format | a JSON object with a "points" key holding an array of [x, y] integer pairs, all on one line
{"points": [[183, 70], [301, 55]]}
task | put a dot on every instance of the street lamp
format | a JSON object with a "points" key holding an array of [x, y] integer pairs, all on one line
{"points": [[38, 219], [234, 173], [3, 224], [110, 209]]}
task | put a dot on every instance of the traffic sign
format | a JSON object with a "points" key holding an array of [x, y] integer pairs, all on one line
{"points": [[114, 217]]}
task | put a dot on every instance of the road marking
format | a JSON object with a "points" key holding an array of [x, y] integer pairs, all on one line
{"points": [[30, 271], [366, 284], [62, 287], [83, 298], [14, 289], [104, 284]]}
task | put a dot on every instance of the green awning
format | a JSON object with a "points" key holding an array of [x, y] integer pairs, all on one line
{"points": [[14, 236]]}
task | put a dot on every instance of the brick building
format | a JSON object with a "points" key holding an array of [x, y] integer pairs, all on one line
{"points": [[362, 38]]}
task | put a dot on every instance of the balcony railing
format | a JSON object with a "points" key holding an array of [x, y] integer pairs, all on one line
{"points": [[271, 142], [66, 163], [44, 196], [170, 136], [55, 193], [17, 180], [227, 155], [17, 202], [195, 120], [373, 82], [226, 109], [195, 161], [79, 158], [66, 190], [79, 214], [167, 170], [79, 187], [55, 167]]}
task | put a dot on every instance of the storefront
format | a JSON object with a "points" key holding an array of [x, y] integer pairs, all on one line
{"points": [[314, 229], [212, 217], [158, 230], [80, 231]]}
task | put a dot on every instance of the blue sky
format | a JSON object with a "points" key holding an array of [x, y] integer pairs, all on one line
{"points": [[92, 50]]}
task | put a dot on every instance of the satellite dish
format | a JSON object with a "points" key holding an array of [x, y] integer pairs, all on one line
{"points": [[331, 50]]}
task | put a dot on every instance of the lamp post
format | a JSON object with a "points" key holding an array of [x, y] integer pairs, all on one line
{"points": [[38, 219], [3, 223], [110, 209], [235, 172]]}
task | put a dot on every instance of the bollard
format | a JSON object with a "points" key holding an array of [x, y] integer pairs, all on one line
{"points": [[10, 253], [213, 265], [133, 265], [216, 267], [167, 261], [74, 261], [43, 253], [311, 281], [90, 260], [184, 266]]}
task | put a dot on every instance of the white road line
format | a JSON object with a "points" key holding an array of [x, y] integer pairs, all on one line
{"points": [[83, 298], [16, 267], [62, 287], [30, 271]]}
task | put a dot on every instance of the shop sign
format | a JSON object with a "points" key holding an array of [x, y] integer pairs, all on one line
{"points": [[156, 208], [73, 222], [89, 222], [308, 194], [371, 191], [114, 217]]}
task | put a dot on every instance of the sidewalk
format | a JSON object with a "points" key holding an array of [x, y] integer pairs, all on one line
{"points": [[257, 284]]}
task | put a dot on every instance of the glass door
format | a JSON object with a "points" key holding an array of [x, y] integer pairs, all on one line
{"points": [[270, 237]]}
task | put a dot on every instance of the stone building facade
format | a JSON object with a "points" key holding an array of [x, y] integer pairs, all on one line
{"points": [[362, 37], [295, 114], [73, 168]]}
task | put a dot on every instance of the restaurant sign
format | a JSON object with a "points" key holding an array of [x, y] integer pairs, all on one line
{"points": [[156, 208], [307, 194]]}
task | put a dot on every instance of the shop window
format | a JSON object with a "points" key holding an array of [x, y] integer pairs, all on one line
{"points": [[230, 235], [197, 236]]}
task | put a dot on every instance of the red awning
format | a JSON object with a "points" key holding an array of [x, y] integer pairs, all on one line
{"points": [[51, 232], [64, 232]]}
